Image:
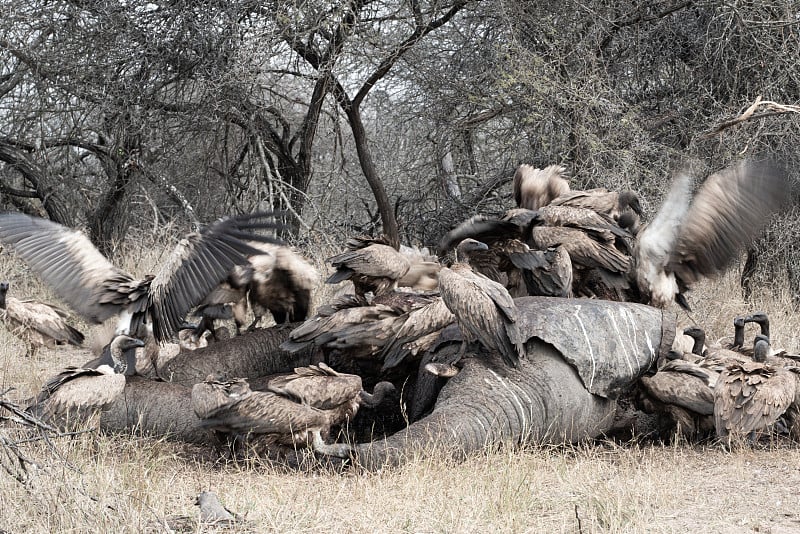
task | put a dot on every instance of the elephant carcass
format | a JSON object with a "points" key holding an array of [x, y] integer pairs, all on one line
{"points": [[155, 408], [581, 354], [251, 355]]}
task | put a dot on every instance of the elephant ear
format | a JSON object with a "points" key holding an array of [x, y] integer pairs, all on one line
{"points": [[610, 344]]}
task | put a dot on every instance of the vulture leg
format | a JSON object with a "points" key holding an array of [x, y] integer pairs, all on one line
{"points": [[338, 450]]}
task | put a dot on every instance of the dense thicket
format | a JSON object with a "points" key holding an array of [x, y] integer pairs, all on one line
{"points": [[351, 114]]}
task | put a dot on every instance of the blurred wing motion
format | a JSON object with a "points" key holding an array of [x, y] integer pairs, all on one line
{"points": [[97, 290]]}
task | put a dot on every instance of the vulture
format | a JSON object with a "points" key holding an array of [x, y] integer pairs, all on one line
{"points": [[684, 392], [483, 308], [282, 284], [349, 326], [715, 357], [761, 319], [97, 290], [750, 397], [423, 274], [534, 188], [226, 301], [611, 203], [78, 389], [686, 242], [419, 323], [372, 265], [37, 323], [296, 410], [508, 260]]}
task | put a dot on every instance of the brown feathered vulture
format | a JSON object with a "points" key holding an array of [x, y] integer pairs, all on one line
{"points": [[371, 264], [611, 203], [534, 188], [508, 260], [298, 409], [684, 243], [36, 323], [751, 396], [483, 308], [97, 290], [282, 283], [684, 392]]}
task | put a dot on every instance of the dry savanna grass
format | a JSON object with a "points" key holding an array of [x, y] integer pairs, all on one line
{"points": [[101, 483]]}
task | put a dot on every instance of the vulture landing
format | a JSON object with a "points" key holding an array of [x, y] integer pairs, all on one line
{"points": [[534, 188], [97, 290], [282, 284], [684, 243]]}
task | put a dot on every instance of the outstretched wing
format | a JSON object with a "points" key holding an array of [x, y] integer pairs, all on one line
{"points": [[198, 264], [69, 263], [727, 214]]}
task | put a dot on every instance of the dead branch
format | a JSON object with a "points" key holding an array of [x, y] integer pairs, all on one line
{"points": [[768, 109]]}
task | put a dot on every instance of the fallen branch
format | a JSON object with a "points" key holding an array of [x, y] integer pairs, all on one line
{"points": [[768, 109]]}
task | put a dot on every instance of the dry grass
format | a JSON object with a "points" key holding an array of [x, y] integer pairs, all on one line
{"points": [[99, 483]]}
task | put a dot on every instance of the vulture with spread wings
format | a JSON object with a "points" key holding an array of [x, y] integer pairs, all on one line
{"points": [[97, 290], [684, 243]]}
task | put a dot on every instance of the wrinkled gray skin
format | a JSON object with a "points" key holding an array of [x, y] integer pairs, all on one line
{"points": [[157, 409], [487, 404], [252, 355]]}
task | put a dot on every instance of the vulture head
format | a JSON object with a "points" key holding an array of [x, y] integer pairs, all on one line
{"points": [[760, 348], [629, 199], [467, 247], [119, 345], [699, 336], [763, 321]]}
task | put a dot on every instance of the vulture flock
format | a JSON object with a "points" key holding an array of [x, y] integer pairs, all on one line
{"points": [[395, 306]]}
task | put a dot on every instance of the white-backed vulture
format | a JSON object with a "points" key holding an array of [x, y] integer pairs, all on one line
{"points": [[684, 243], [282, 284], [97, 290], [508, 260], [355, 329], [36, 323], [603, 201], [761, 319], [298, 409], [715, 357], [226, 301], [750, 397], [371, 264], [534, 188], [77, 390], [418, 323], [684, 392], [483, 308], [583, 250], [423, 274]]}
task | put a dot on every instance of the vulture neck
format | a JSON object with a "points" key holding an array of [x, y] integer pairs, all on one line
{"points": [[738, 334], [118, 357]]}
